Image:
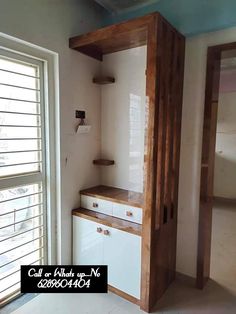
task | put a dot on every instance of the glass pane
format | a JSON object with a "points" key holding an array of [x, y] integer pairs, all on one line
{"points": [[19, 119], [13, 158], [15, 145], [18, 93], [9, 195], [14, 66], [21, 132], [16, 230], [19, 106], [18, 80]]}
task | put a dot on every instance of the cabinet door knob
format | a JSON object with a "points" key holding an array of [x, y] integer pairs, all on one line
{"points": [[95, 205], [106, 232], [99, 230], [129, 214]]}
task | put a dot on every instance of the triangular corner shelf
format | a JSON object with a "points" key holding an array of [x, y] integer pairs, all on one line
{"points": [[103, 80], [103, 162]]}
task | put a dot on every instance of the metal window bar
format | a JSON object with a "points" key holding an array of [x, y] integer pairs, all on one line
{"points": [[19, 209], [19, 126], [22, 256], [21, 164], [36, 77], [16, 271], [20, 245], [18, 222], [20, 138], [18, 234], [14, 284], [22, 100], [22, 113], [16, 198], [21, 151], [22, 87]]}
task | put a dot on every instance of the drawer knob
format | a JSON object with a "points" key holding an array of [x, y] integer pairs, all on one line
{"points": [[99, 230], [129, 214], [106, 232], [95, 205]]}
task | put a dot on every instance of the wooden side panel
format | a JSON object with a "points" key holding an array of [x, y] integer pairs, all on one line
{"points": [[161, 190], [207, 169]]}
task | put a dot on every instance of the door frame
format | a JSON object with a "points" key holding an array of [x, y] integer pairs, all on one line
{"points": [[208, 161]]}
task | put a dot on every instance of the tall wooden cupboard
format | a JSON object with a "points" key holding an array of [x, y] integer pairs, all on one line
{"points": [[152, 225]]}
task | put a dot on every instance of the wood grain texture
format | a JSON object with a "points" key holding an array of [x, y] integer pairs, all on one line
{"points": [[103, 80], [103, 162], [164, 88], [208, 161], [115, 194], [124, 295], [109, 221], [117, 37], [165, 64]]}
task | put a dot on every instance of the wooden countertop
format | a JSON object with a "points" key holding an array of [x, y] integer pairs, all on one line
{"points": [[109, 221], [115, 194]]}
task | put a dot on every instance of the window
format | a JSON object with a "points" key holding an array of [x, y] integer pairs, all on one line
{"points": [[23, 192]]}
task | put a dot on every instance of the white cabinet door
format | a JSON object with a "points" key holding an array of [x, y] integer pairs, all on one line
{"points": [[87, 242], [122, 254]]}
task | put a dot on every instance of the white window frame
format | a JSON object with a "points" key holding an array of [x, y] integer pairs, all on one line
{"points": [[52, 133]]}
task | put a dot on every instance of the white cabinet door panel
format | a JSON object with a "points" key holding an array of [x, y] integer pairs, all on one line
{"points": [[122, 254], [87, 242]]}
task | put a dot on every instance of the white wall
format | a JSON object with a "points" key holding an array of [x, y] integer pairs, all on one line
{"points": [[123, 118], [225, 160], [191, 142], [50, 23]]}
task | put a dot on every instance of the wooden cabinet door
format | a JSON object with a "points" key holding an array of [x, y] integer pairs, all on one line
{"points": [[87, 242], [122, 254]]}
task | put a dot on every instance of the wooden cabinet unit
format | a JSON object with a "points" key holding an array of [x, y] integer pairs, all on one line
{"points": [[148, 215]]}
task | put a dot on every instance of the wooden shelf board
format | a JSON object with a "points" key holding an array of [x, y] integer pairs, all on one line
{"points": [[122, 36], [109, 221], [115, 195], [103, 162], [102, 80]]}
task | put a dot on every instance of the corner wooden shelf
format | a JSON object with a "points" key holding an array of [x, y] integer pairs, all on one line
{"points": [[103, 162], [103, 80]]}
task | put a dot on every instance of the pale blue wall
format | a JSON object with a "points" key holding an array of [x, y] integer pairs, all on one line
{"points": [[190, 17]]}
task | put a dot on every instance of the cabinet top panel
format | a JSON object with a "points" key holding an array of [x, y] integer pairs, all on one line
{"points": [[115, 194], [117, 37]]}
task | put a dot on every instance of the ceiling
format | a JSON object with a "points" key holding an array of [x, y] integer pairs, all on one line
{"points": [[190, 17], [119, 6]]}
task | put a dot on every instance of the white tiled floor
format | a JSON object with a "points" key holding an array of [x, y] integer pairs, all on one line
{"points": [[223, 244], [181, 298]]}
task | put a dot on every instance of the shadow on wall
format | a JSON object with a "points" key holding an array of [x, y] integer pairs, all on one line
{"points": [[225, 177]]}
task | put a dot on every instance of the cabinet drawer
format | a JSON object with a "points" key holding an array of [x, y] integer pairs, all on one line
{"points": [[127, 212], [98, 205]]}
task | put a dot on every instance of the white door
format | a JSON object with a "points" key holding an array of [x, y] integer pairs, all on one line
{"points": [[87, 242], [122, 254]]}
